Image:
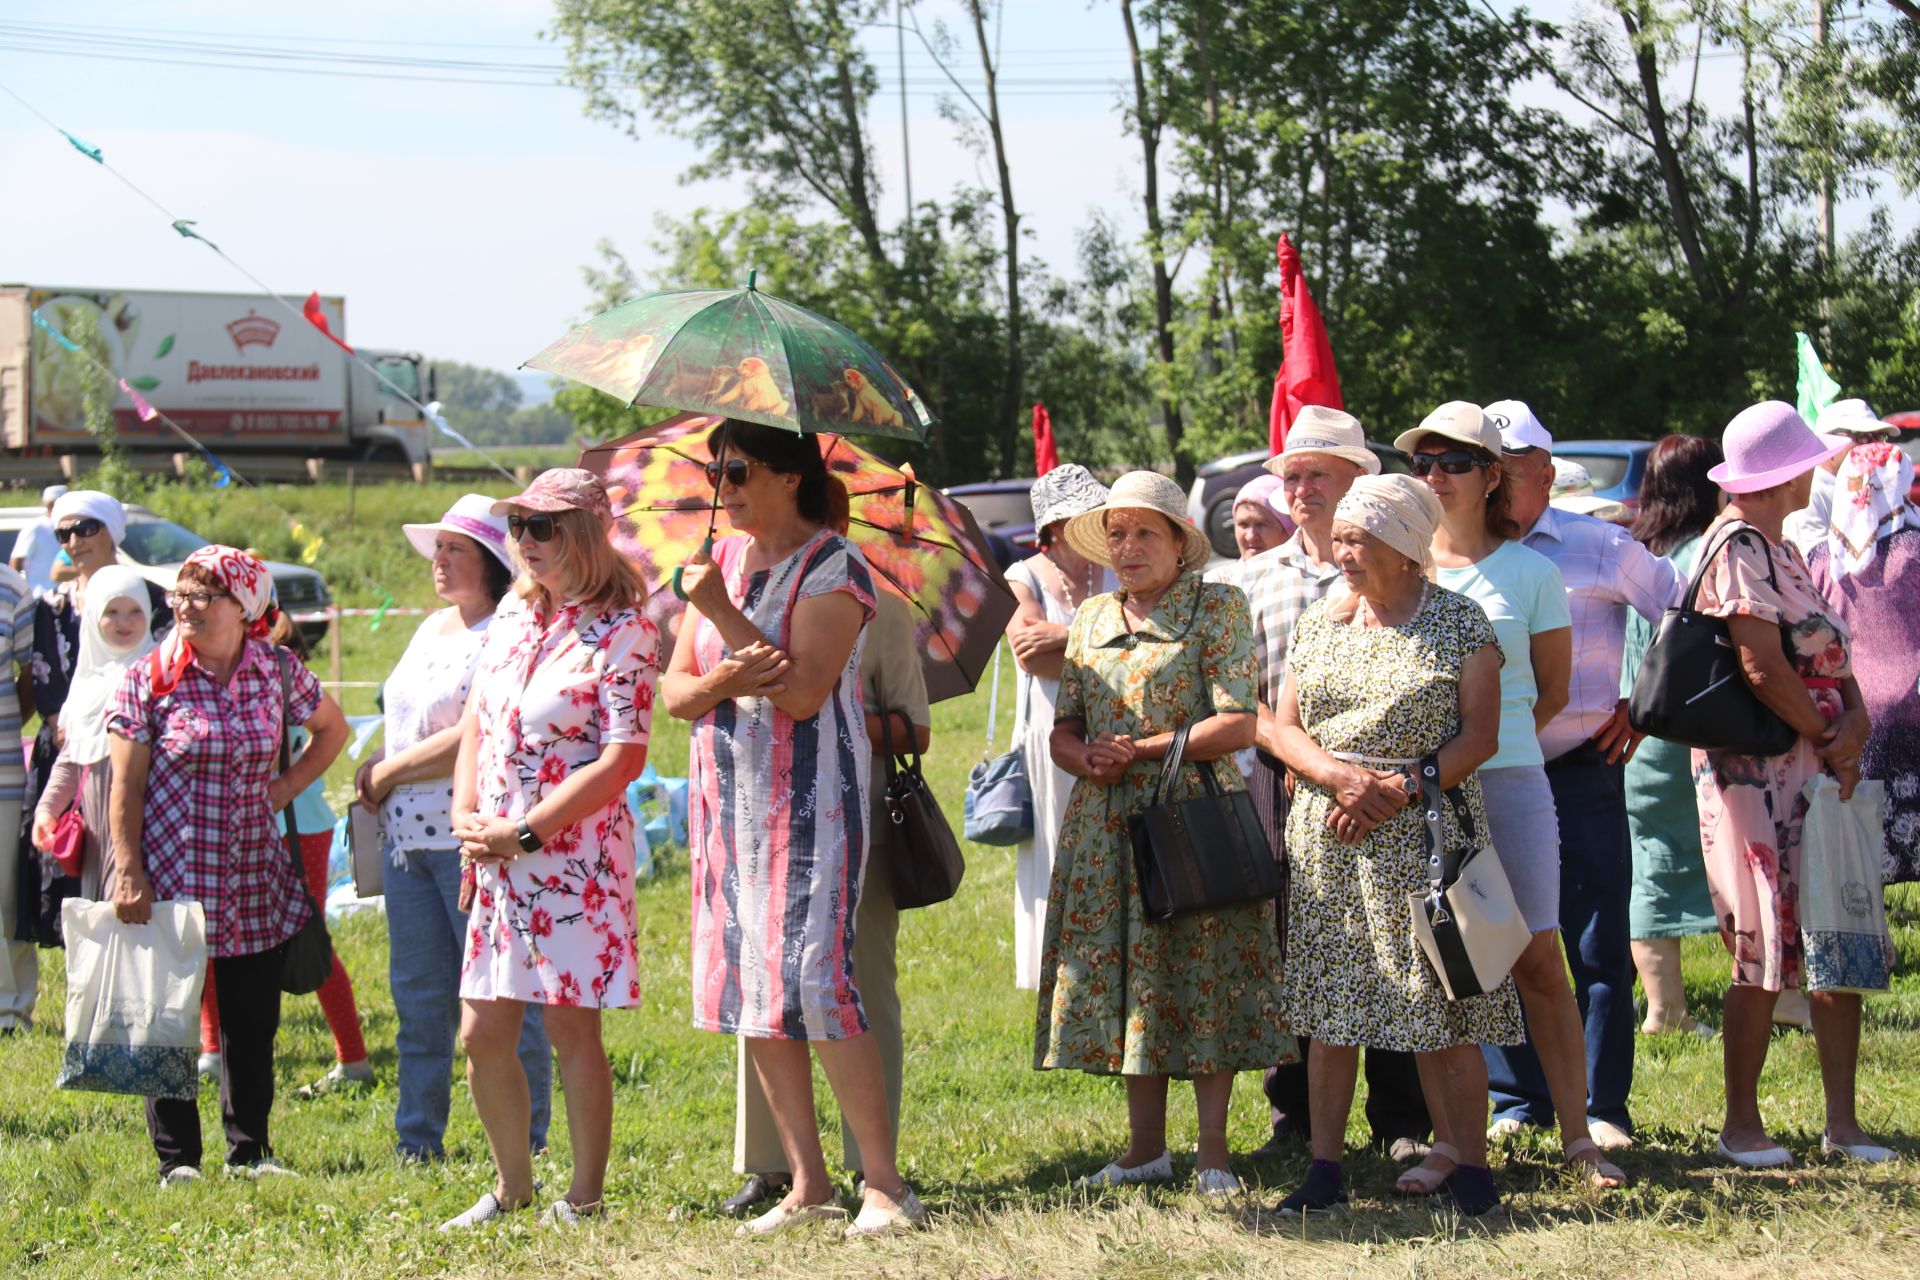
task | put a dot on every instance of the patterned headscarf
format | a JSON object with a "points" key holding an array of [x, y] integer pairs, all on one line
{"points": [[240, 575], [1399, 510], [1066, 491], [1869, 502]]}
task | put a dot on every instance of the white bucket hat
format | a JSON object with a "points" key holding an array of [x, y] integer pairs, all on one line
{"points": [[1138, 491], [1319, 429], [1854, 419], [473, 516]]}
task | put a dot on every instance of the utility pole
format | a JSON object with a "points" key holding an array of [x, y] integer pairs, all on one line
{"points": [[906, 151], [1823, 213]]}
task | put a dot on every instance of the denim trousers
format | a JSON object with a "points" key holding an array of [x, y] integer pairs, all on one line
{"points": [[426, 932], [1596, 888]]}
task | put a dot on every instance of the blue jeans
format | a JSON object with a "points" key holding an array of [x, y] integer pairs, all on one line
{"points": [[1596, 886], [426, 931]]}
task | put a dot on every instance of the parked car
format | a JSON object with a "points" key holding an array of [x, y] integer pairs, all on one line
{"points": [[156, 547], [1004, 511], [1210, 502], [1617, 466]]}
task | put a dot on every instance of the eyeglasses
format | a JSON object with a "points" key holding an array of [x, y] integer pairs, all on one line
{"points": [[78, 529], [736, 471], [198, 599], [540, 526], [1455, 462]]}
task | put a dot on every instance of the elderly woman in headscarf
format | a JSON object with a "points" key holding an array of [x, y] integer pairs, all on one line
{"points": [[196, 731], [1868, 569], [89, 526], [114, 634], [1386, 678]]}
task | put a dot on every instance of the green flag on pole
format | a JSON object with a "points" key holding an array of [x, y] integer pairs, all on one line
{"points": [[1816, 389]]}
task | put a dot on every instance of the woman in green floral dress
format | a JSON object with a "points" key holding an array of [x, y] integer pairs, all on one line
{"points": [[1197, 996]]}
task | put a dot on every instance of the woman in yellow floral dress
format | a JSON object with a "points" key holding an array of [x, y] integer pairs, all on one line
{"points": [[1197, 996]]}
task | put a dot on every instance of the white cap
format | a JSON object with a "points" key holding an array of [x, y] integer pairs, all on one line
{"points": [[1856, 418], [1570, 478], [52, 494], [1520, 430]]}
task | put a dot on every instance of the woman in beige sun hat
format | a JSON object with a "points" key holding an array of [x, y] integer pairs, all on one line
{"points": [[1196, 996]]}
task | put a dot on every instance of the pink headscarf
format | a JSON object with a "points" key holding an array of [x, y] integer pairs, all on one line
{"points": [[241, 576]]}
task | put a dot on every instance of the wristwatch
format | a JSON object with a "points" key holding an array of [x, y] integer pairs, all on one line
{"points": [[1410, 784], [529, 842]]}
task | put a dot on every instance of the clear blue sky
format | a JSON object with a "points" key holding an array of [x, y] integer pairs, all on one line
{"points": [[455, 218]]}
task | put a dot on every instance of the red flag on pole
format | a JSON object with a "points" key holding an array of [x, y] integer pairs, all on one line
{"points": [[1046, 455], [317, 317], [1306, 374]]}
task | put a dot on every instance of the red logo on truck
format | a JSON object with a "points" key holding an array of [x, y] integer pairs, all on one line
{"points": [[253, 331]]}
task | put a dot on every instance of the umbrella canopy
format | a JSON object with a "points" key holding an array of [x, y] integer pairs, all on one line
{"points": [[744, 354], [922, 545]]}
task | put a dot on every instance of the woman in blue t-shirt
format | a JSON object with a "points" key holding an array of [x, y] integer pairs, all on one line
{"points": [[1456, 450]]}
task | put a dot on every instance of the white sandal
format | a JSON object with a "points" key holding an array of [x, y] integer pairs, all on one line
{"points": [[484, 1210], [1601, 1173], [1422, 1179], [780, 1218]]}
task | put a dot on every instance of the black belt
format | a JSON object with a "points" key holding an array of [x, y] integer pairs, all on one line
{"points": [[1585, 754]]}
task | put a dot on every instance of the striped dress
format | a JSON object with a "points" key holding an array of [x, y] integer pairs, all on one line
{"points": [[778, 811]]}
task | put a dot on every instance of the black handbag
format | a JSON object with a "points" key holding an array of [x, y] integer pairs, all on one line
{"points": [[1200, 854], [927, 864], [308, 959], [1690, 688]]}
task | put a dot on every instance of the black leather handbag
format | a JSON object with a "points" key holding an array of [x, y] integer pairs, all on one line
{"points": [[927, 864], [1203, 853], [309, 954], [1690, 688]]}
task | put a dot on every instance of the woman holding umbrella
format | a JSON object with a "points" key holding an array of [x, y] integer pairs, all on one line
{"points": [[768, 670]]}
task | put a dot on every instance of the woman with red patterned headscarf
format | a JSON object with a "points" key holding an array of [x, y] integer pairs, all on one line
{"points": [[196, 731]]}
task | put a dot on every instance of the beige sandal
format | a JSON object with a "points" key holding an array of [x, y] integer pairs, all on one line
{"points": [[1423, 1179], [1603, 1175], [781, 1218]]}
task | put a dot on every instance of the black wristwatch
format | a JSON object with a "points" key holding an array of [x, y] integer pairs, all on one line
{"points": [[529, 842], [1410, 784]]}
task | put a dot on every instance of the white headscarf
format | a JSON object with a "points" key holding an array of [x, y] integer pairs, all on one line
{"points": [[101, 665], [1399, 510], [103, 507], [1869, 503]]}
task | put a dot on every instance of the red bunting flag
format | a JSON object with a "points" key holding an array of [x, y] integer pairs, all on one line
{"points": [[1046, 454], [1307, 375], [317, 317]]}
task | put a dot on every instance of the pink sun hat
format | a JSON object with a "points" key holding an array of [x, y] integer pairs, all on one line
{"points": [[561, 489], [1768, 444]]}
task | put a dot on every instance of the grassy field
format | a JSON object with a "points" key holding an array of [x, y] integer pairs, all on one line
{"points": [[991, 1145]]}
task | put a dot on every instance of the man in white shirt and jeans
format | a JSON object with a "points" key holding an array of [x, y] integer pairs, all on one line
{"points": [[1586, 748]]}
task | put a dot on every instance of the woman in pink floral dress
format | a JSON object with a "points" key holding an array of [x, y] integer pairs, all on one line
{"points": [[1795, 655], [555, 730]]}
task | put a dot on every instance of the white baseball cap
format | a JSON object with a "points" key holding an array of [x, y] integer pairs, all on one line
{"points": [[1519, 429]]}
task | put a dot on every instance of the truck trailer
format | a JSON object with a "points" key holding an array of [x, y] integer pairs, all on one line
{"points": [[239, 372]]}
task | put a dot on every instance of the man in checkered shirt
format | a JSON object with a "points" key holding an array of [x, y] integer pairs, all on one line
{"points": [[1326, 451], [1586, 748]]}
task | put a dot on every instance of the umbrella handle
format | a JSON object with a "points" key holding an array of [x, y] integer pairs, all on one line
{"points": [[706, 548]]}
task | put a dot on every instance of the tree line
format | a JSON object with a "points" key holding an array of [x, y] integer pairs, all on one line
{"points": [[1625, 250]]}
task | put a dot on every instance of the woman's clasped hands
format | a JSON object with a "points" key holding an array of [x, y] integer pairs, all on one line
{"points": [[1362, 800], [1106, 757]]}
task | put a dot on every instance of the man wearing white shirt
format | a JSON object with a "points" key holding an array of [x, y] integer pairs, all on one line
{"points": [[34, 551], [1586, 748]]}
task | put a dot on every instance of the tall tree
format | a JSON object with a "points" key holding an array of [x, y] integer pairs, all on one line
{"points": [[1149, 118]]}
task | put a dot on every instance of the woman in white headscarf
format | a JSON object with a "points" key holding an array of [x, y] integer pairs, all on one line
{"points": [[115, 632], [1868, 569], [89, 526]]}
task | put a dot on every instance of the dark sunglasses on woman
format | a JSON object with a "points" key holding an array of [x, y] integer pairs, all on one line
{"points": [[540, 526], [1455, 462], [78, 529], [735, 470]]}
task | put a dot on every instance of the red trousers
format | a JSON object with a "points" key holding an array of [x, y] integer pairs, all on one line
{"points": [[336, 993]]}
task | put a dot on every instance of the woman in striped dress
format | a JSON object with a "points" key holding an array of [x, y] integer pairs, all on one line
{"points": [[767, 666]]}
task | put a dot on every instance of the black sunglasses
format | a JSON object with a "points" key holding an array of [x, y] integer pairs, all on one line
{"points": [[1455, 462], [540, 526], [78, 529], [735, 470]]}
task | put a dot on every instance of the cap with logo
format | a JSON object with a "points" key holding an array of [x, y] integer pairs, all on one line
{"points": [[1458, 420], [1520, 431]]}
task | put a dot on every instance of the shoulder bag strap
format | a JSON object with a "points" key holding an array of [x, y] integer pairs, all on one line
{"points": [[280, 657], [1430, 793]]}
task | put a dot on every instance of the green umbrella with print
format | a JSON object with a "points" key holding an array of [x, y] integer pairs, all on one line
{"points": [[743, 354]]}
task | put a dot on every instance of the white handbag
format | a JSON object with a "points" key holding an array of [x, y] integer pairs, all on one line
{"points": [[133, 999], [364, 852], [1843, 916], [1466, 922]]}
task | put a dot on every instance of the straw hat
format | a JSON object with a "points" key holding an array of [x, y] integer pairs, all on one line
{"points": [[473, 516], [1319, 429], [1138, 491], [1769, 444]]}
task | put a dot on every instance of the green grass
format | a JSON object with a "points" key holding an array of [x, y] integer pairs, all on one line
{"points": [[990, 1144]]}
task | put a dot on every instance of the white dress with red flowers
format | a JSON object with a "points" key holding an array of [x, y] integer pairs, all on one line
{"points": [[556, 927]]}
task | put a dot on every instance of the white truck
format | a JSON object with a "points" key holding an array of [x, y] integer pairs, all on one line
{"points": [[239, 372]]}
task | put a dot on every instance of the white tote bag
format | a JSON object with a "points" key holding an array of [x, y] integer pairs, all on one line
{"points": [[133, 999], [1843, 917]]}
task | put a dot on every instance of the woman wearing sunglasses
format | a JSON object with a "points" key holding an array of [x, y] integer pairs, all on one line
{"points": [[88, 525], [1456, 450], [555, 729], [768, 669]]}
